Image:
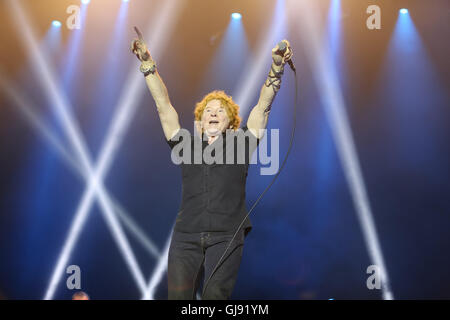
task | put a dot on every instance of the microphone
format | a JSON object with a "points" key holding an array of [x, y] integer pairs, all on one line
{"points": [[282, 47]]}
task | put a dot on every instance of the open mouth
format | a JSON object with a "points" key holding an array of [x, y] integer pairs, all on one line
{"points": [[214, 122]]}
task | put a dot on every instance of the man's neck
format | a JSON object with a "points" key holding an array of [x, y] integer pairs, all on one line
{"points": [[211, 139]]}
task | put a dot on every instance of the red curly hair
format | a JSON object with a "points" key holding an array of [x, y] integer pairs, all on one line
{"points": [[231, 107]]}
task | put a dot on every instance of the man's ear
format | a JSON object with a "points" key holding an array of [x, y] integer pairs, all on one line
{"points": [[199, 127]]}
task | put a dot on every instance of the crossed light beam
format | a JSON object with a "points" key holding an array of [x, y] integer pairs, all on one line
{"points": [[27, 110], [333, 101], [94, 186], [335, 112], [94, 176], [121, 120]]}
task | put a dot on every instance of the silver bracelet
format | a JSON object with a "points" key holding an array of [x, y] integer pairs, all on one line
{"points": [[275, 80], [148, 67]]}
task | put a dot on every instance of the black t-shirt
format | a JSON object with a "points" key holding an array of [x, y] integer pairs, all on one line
{"points": [[213, 180]]}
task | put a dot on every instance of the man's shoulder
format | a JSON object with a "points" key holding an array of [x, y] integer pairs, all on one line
{"points": [[247, 132], [182, 135]]}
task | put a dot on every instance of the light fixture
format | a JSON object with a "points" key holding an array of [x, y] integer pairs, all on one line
{"points": [[236, 16]]}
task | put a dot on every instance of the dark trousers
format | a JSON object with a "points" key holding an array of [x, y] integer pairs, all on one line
{"points": [[190, 253]]}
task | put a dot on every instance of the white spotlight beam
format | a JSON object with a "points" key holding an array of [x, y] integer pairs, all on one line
{"points": [[159, 32], [169, 12], [254, 75], [95, 186], [71, 57], [333, 101], [135, 230], [27, 110], [159, 271], [127, 106]]}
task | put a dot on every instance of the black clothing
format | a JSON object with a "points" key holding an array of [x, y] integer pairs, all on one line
{"points": [[192, 253], [213, 194]]}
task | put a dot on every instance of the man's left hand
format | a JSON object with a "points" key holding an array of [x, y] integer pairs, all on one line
{"points": [[280, 58]]}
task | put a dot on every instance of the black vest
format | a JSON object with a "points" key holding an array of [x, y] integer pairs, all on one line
{"points": [[213, 180]]}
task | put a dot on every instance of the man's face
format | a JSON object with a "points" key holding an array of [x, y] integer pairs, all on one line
{"points": [[214, 118]]}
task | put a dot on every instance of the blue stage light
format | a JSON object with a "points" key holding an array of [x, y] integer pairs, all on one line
{"points": [[236, 16], [85, 1], [403, 11], [56, 23]]}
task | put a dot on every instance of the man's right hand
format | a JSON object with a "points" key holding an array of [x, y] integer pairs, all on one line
{"points": [[139, 48]]}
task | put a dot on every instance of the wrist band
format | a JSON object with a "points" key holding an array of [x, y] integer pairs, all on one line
{"points": [[279, 73], [275, 80], [148, 67]]}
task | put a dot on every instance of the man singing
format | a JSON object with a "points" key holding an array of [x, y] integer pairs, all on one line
{"points": [[213, 194]]}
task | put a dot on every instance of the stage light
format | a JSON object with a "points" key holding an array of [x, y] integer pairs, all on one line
{"points": [[333, 101], [56, 23], [126, 0], [254, 73], [403, 11], [95, 186], [127, 104], [159, 270], [236, 16], [27, 109], [72, 55], [85, 1], [224, 61]]}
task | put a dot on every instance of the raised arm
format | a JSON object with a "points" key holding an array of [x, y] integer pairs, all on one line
{"points": [[167, 113], [260, 113]]}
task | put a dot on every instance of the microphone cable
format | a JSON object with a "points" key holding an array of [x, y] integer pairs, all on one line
{"points": [[270, 184]]}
